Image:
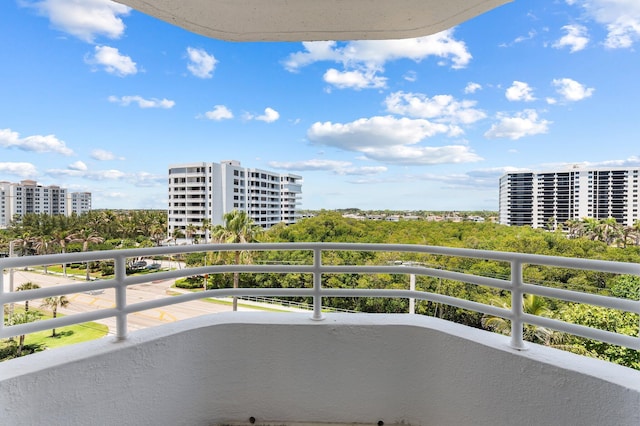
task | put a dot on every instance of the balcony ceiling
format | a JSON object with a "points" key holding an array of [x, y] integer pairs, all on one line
{"points": [[308, 20]]}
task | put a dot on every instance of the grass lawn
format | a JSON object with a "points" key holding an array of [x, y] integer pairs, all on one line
{"points": [[80, 271], [68, 335], [75, 270], [42, 340]]}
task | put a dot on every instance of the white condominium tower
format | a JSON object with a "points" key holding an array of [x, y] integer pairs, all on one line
{"points": [[199, 191], [18, 199], [550, 198]]}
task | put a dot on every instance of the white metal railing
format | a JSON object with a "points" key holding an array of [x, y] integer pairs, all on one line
{"points": [[317, 269]]}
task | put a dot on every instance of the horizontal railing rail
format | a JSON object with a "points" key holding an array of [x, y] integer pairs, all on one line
{"points": [[317, 292]]}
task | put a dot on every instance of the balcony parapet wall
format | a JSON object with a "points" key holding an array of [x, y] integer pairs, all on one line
{"points": [[349, 368]]}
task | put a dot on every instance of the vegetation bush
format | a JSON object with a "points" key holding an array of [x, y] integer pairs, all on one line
{"points": [[193, 282], [581, 239]]}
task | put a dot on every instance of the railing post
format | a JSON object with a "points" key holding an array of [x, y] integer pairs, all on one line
{"points": [[1, 293], [517, 324], [121, 297], [412, 287], [317, 285], [11, 254]]}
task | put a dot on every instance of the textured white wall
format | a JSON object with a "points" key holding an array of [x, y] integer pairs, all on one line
{"points": [[285, 367]]}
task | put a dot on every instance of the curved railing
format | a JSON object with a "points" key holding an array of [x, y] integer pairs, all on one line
{"points": [[317, 269]]}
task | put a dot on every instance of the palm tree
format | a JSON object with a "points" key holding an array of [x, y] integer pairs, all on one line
{"points": [[177, 234], [609, 230], [531, 304], [62, 237], [573, 227], [591, 228], [157, 233], [636, 231], [27, 286], [22, 318], [191, 231], [40, 245], [86, 236], [206, 229], [238, 228], [23, 243], [55, 302]]}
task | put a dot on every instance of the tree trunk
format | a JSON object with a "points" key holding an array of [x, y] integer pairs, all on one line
{"points": [[64, 265], [55, 314], [20, 345]]}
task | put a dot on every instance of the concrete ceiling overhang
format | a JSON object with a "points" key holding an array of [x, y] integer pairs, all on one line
{"points": [[308, 20]]}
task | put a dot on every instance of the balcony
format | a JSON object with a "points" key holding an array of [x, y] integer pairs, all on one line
{"points": [[317, 367]]}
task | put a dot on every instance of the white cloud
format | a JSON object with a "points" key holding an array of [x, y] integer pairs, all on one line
{"points": [[474, 179], [633, 161], [620, 17], [354, 79], [315, 51], [390, 140], [375, 53], [139, 179], [520, 91], [78, 165], [270, 115], [525, 123], [530, 35], [472, 87], [201, 64], [410, 76], [35, 143], [575, 38], [23, 170], [424, 155], [218, 113], [310, 165], [142, 102], [337, 167], [112, 61], [376, 131], [441, 108], [494, 172], [84, 19], [97, 175], [362, 171], [571, 90], [144, 179], [364, 60], [103, 155]]}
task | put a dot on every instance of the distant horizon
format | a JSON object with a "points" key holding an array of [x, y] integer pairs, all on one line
{"points": [[431, 123]]}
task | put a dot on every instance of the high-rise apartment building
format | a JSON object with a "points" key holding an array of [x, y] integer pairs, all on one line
{"points": [[78, 202], [548, 199], [199, 191], [18, 199]]}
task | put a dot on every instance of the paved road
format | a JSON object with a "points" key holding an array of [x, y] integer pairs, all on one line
{"points": [[82, 302]]}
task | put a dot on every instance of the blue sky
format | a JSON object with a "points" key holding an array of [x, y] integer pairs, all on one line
{"points": [[97, 97]]}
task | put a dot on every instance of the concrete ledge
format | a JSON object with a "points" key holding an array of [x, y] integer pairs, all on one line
{"points": [[349, 368]]}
